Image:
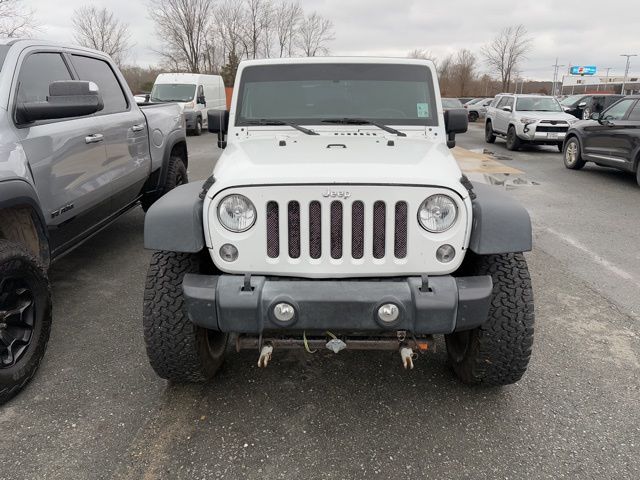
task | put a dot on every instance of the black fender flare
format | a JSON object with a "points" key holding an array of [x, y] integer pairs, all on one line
{"points": [[174, 222], [16, 193], [500, 223]]}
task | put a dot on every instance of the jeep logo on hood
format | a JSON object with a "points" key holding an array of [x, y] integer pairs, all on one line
{"points": [[334, 193]]}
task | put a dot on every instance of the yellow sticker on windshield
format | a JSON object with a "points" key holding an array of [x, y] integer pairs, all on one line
{"points": [[423, 110]]}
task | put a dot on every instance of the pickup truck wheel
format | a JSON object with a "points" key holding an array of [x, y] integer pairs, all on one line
{"points": [[489, 136], [498, 352], [198, 130], [25, 317], [177, 349], [176, 176], [513, 142], [473, 116], [572, 156]]}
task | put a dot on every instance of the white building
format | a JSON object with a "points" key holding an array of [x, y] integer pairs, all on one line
{"points": [[599, 83]]}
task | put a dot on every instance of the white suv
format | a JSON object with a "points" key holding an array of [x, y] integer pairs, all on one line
{"points": [[527, 119]]}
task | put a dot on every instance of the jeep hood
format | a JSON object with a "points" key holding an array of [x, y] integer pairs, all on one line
{"points": [[337, 159]]}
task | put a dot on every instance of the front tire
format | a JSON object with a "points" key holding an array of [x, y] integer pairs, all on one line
{"points": [[497, 352], [25, 317], [473, 116], [513, 142], [176, 176], [489, 136], [572, 157], [178, 350], [198, 130]]}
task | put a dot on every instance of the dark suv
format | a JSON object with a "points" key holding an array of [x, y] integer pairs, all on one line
{"points": [[609, 139], [582, 106]]}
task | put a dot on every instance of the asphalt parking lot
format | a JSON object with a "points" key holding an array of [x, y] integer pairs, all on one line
{"points": [[97, 410]]}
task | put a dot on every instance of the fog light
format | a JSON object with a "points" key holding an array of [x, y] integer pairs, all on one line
{"points": [[284, 312], [445, 253], [388, 312], [228, 252]]}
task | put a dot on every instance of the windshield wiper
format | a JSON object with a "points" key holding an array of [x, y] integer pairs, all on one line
{"points": [[266, 122], [363, 121]]}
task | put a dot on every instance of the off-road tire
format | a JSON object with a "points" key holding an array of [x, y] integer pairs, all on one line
{"points": [[489, 136], [178, 350], [571, 155], [473, 116], [498, 352], [513, 141], [18, 265], [176, 176]]}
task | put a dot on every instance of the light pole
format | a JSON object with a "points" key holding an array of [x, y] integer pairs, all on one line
{"points": [[555, 66], [626, 70], [606, 80]]}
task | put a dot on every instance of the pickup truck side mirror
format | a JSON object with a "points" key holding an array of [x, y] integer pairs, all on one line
{"points": [[219, 123], [66, 99], [456, 120], [506, 108]]}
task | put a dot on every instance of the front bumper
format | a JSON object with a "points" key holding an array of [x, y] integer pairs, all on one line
{"points": [[225, 303], [531, 133]]}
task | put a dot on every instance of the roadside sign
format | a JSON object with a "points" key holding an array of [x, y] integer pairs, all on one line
{"points": [[583, 70]]}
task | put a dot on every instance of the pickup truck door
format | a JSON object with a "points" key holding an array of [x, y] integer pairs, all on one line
{"points": [[601, 139], [67, 157], [124, 128]]}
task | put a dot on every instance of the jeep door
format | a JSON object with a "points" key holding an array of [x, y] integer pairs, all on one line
{"points": [[124, 128], [600, 138], [67, 156]]}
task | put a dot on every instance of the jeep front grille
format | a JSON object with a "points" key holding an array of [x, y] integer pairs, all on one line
{"points": [[397, 216]]}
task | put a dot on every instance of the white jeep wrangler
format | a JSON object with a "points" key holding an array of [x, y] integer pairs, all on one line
{"points": [[337, 217]]}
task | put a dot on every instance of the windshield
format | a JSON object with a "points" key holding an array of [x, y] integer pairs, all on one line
{"points": [[570, 100], [307, 94], [451, 103], [538, 104], [173, 92], [474, 101], [3, 53]]}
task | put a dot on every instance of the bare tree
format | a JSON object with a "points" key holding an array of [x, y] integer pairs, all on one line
{"points": [[422, 54], [99, 29], [505, 51], [257, 19], [313, 34], [286, 19], [464, 71], [445, 72], [229, 21], [16, 20], [184, 27]]}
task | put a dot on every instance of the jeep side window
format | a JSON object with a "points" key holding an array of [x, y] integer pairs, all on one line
{"points": [[99, 72], [37, 72]]}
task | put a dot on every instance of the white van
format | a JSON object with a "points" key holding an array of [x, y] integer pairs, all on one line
{"points": [[196, 94]]}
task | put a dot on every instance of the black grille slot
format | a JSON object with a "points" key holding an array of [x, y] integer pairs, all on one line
{"points": [[379, 224], [357, 229], [315, 230], [400, 240], [552, 129], [294, 229], [273, 230], [336, 229]]}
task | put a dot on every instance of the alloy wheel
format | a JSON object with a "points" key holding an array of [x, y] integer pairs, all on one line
{"points": [[17, 320]]}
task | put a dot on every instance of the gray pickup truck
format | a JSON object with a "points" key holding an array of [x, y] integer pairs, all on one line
{"points": [[76, 152]]}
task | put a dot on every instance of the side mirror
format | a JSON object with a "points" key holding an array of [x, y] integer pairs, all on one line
{"points": [[595, 116], [506, 108], [202, 100], [582, 104], [219, 123], [66, 99], [456, 120]]}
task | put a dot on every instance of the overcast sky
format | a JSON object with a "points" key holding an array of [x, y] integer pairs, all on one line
{"points": [[587, 32]]}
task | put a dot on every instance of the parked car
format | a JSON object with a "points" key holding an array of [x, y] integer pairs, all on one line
{"points": [[609, 139], [464, 100], [477, 108], [338, 224], [451, 103], [582, 106], [195, 93], [520, 119], [74, 156]]}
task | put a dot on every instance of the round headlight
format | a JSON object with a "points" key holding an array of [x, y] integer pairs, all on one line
{"points": [[236, 213], [437, 213]]}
